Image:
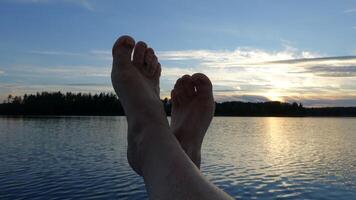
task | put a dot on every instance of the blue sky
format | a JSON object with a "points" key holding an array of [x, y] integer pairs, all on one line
{"points": [[252, 50]]}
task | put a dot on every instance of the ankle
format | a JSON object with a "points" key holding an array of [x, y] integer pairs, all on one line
{"points": [[158, 149]]}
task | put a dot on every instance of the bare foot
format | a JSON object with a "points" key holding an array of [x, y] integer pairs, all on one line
{"points": [[192, 111], [136, 82]]}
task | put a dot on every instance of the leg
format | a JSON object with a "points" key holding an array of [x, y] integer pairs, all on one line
{"points": [[192, 111], [153, 151]]}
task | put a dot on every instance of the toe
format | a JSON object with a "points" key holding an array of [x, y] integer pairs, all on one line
{"points": [[139, 54], [152, 66], [157, 72], [202, 83], [188, 85], [174, 98], [180, 93], [122, 50], [178, 87], [150, 60]]}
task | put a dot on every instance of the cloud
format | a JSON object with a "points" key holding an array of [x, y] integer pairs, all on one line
{"points": [[60, 71], [175, 72], [213, 58], [352, 10], [101, 54], [82, 3], [273, 75], [85, 3], [55, 53], [87, 84], [98, 54], [243, 58], [244, 98], [234, 58], [316, 59], [246, 74], [343, 66], [29, 1], [1, 72], [77, 71], [288, 61], [246, 59], [333, 71], [326, 101]]}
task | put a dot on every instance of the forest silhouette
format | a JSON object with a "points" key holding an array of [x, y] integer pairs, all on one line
{"points": [[107, 104]]}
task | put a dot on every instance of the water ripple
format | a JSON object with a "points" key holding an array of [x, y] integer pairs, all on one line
{"points": [[250, 158]]}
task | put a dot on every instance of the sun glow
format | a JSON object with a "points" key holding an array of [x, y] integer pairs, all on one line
{"points": [[274, 96]]}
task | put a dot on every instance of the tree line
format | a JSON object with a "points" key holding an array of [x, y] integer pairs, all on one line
{"points": [[57, 103]]}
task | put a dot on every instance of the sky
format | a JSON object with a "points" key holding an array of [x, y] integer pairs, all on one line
{"points": [[256, 50]]}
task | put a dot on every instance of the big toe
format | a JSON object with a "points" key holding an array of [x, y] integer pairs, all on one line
{"points": [[178, 94], [184, 89], [203, 84], [122, 50], [188, 84]]}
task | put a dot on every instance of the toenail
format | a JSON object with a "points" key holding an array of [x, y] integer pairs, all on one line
{"points": [[126, 42], [142, 44]]}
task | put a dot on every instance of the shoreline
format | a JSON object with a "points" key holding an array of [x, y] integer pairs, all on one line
{"points": [[224, 116]]}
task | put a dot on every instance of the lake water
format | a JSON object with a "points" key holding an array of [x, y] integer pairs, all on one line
{"points": [[249, 158]]}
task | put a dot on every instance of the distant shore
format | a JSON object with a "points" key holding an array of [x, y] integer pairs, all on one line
{"points": [[107, 104]]}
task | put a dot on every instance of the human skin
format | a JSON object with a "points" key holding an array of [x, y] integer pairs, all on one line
{"points": [[153, 150], [193, 108]]}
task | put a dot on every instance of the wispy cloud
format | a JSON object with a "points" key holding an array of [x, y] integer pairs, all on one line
{"points": [[246, 74], [325, 101], [343, 66], [251, 60], [61, 71], [244, 98], [351, 10], [98, 54], [276, 75], [77, 71], [101, 54], [333, 71], [83, 3], [316, 60], [228, 58], [309, 101], [55, 53], [236, 58], [243, 58]]}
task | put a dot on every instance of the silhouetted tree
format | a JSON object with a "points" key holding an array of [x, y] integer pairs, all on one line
{"points": [[57, 103]]}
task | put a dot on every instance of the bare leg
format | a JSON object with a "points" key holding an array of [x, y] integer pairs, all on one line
{"points": [[153, 151], [192, 111]]}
